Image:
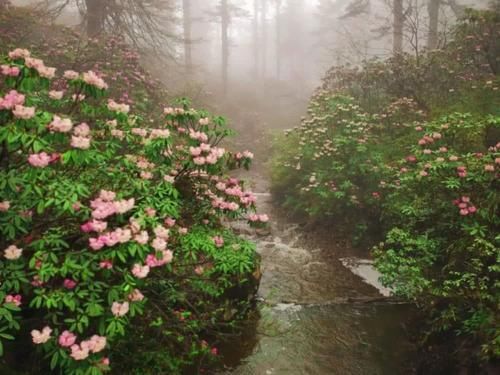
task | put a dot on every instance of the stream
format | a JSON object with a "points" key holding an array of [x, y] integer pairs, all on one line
{"points": [[313, 316]]}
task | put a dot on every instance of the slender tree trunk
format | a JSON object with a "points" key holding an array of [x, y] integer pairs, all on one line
{"points": [[186, 17], [256, 47], [96, 13], [278, 39], [397, 32], [224, 43], [263, 25], [433, 9]]}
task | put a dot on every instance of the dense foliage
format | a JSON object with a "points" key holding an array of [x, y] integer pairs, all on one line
{"points": [[408, 150], [112, 226]]}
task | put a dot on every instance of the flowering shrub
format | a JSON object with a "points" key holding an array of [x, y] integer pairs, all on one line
{"points": [[109, 225], [385, 152], [442, 246]]}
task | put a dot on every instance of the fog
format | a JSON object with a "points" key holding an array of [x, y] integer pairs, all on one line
{"points": [[257, 61]]}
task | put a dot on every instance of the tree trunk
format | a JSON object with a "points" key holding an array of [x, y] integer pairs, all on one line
{"points": [[96, 13], [224, 43], [397, 35], [256, 47], [263, 25], [278, 39], [186, 17], [433, 9]]}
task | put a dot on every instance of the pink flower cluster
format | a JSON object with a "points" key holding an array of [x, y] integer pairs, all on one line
{"points": [[4, 206], [19, 53], [71, 74], [426, 139], [244, 155], [173, 111], [40, 67], [206, 154], [60, 125], [81, 138], [153, 261], [11, 99], [199, 136], [254, 218], [40, 160], [94, 226], [23, 112], [465, 206], [120, 309], [462, 172], [80, 352], [41, 337], [12, 252], [106, 205], [91, 78], [116, 107], [110, 239], [14, 299], [218, 241], [10, 71]]}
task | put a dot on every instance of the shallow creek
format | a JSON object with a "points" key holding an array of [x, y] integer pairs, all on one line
{"points": [[316, 313]]}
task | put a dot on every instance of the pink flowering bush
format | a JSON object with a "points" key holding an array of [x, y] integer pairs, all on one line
{"points": [[108, 225], [406, 153]]}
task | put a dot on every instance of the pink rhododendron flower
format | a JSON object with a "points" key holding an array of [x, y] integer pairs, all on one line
{"points": [[119, 309], [135, 296], [14, 299], [19, 53], [162, 232], [4, 206], [153, 261], [248, 154], [60, 125], [96, 243], [95, 344], [116, 107], [93, 79], [204, 121], [218, 241], [489, 168], [263, 218], [140, 271], [142, 238], [135, 226], [82, 130], [70, 74], [56, 95], [159, 134], [183, 231], [67, 339], [9, 71], [41, 337], [69, 284], [40, 160], [81, 143], [78, 353], [159, 244], [94, 226], [106, 264], [424, 173], [12, 252], [124, 205], [151, 212], [11, 99]]}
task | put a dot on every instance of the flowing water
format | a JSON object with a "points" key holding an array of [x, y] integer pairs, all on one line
{"points": [[314, 316]]}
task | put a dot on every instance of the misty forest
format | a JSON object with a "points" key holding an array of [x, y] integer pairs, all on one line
{"points": [[250, 187]]}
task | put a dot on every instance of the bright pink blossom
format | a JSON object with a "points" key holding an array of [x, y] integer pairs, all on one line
{"points": [[67, 339]]}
